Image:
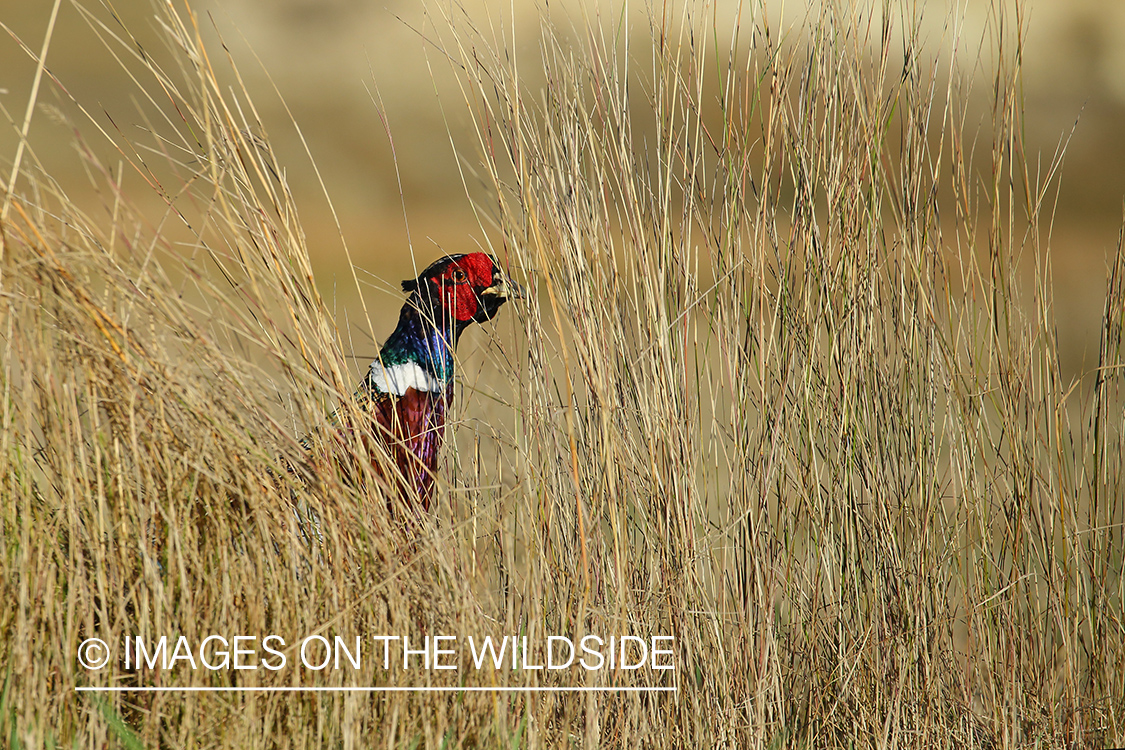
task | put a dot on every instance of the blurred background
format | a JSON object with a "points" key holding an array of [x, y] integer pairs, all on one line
{"points": [[369, 90]]}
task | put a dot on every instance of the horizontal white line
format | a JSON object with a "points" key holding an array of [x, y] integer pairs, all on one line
{"points": [[264, 689]]}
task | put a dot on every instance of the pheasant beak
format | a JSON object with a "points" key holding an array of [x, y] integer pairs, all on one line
{"points": [[493, 297], [504, 288]]}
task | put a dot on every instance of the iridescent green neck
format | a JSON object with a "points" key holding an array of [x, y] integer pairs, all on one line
{"points": [[420, 339]]}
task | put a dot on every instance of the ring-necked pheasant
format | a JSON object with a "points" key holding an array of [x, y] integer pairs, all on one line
{"points": [[409, 385]]}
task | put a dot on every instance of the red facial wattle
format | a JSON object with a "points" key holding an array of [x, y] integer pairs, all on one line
{"points": [[459, 283]]}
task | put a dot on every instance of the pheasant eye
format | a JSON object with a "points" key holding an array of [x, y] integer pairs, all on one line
{"points": [[459, 276]]}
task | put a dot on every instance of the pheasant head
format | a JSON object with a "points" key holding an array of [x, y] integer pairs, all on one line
{"points": [[446, 298]]}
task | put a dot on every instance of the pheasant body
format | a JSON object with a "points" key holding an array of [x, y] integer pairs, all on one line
{"points": [[409, 385], [410, 428]]}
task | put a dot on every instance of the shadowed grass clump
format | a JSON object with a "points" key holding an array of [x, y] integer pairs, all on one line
{"points": [[786, 388]]}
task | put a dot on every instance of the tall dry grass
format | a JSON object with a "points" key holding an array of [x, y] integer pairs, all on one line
{"points": [[787, 388]]}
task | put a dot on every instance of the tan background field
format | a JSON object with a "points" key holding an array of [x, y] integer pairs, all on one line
{"points": [[332, 59]]}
